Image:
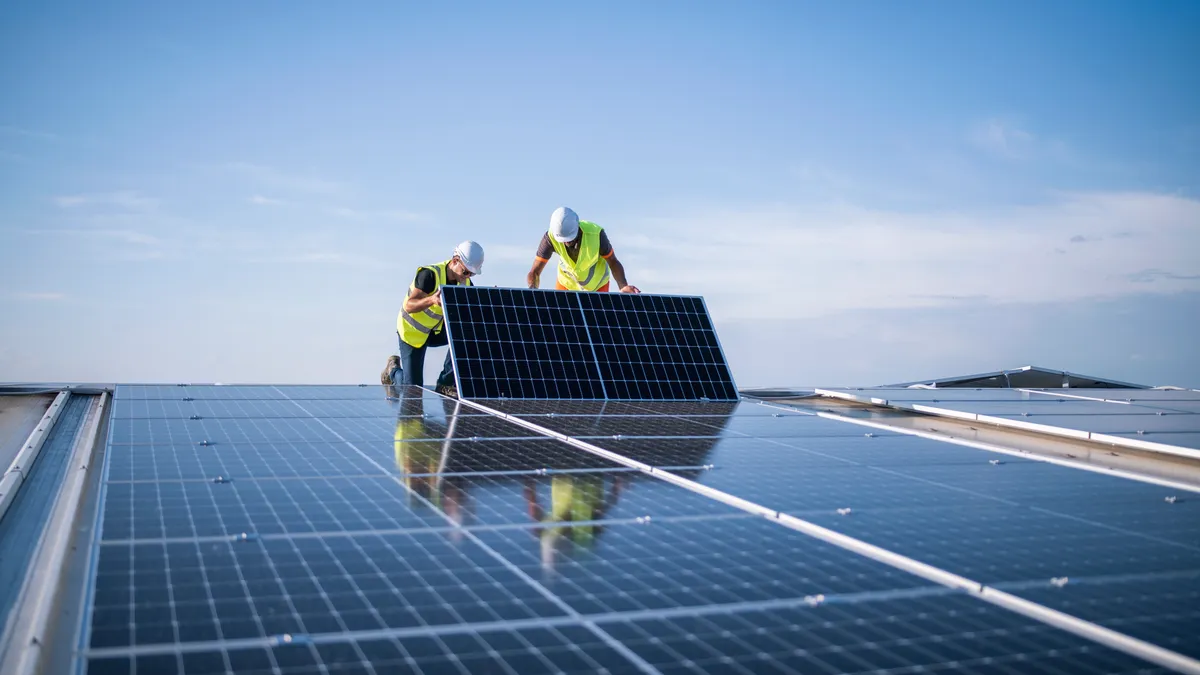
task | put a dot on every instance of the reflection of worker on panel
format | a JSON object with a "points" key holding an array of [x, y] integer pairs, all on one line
{"points": [[421, 458], [577, 501]]}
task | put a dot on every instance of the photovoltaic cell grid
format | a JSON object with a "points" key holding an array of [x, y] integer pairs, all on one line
{"points": [[533, 344], [372, 563]]}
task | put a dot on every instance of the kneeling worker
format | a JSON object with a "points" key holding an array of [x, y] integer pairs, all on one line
{"points": [[585, 256], [421, 325]]}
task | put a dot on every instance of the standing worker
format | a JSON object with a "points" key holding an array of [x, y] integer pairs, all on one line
{"points": [[421, 325], [584, 252]]}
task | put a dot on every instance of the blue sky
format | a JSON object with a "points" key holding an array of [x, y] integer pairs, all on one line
{"points": [[863, 192]]}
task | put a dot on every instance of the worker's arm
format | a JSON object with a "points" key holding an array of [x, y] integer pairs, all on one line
{"points": [[534, 278], [618, 272], [419, 300]]}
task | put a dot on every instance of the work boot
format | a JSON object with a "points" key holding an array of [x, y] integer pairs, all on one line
{"points": [[389, 370]]}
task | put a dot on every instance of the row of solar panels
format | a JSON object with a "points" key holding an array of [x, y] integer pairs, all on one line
{"points": [[421, 534]]}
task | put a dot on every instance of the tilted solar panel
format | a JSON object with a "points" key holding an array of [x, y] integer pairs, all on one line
{"points": [[534, 344]]}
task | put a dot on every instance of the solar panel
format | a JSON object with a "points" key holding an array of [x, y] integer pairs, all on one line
{"points": [[414, 537], [1160, 421], [533, 344]]}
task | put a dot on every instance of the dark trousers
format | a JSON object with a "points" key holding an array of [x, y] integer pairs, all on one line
{"points": [[412, 362]]}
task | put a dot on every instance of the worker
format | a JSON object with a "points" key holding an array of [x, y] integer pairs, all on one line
{"points": [[420, 323], [585, 256]]}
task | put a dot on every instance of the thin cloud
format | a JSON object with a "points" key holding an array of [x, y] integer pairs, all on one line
{"points": [[129, 200], [27, 133], [320, 258], [1003, 139], [260, 200], [38, 296], [804, 262], [126, 236], [1152, 275], [271, 177], [496, 253], [393, 215]]}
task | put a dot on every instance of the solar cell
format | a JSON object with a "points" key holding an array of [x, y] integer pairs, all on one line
{"points": [[533, 344]]}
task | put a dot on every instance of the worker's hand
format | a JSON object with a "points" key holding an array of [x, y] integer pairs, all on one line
{"points": [[630, 289], [535, 281], [437, 297]]}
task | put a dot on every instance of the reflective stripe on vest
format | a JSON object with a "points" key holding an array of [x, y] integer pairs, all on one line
{"points": [[414, 329], [589, 261]]}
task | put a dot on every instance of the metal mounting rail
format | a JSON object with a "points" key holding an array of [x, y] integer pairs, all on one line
{"points": [[21, 465], [26, 647]]}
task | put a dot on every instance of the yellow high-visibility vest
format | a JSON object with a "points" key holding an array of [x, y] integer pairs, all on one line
{"points": [[414, 329], [589, 271]]}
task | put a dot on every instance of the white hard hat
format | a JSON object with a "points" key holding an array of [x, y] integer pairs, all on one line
{"points": [[471, 255], [564, 224]]}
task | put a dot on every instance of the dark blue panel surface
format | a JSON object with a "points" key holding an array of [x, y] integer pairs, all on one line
{"points": [[520, 343], [949, 633], [556, 648], [1163, 611], [243, 460], [155, 593], [571, 500], [656, 347], [534, 344], [662, 565], [489, 455], [247, 392], [1000, 542], [153, 510]]}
